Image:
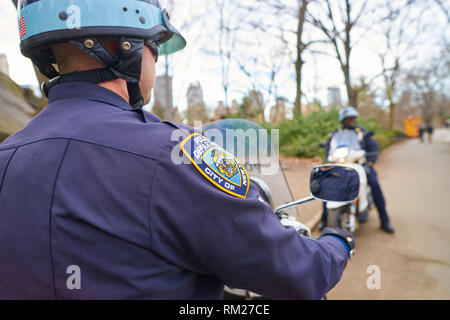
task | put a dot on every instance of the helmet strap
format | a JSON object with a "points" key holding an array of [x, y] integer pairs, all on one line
{"points": [[124, 63], [134, 92], [91, 76]]}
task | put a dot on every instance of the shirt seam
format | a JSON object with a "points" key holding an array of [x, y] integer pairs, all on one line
{"points": [[50, 222], [79, 140], [151, 196], [6, 169], [109, 103]]}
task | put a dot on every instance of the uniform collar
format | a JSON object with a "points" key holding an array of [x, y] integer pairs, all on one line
{"points": [[92, 92], [87, 91]]}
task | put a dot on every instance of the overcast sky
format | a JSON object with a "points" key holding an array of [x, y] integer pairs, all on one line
{"points": [[193, 64]]}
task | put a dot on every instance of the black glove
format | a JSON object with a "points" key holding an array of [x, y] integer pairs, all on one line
{"points": [[343, 235]]}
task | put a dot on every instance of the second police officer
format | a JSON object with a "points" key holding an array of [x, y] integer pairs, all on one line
{"points": [[348, 118]]}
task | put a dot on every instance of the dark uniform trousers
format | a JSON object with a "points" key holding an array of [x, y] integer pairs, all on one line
{"points": [[377, 194]]}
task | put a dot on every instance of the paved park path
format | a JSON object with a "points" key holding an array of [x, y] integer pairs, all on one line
{"points": [[415, 262]]}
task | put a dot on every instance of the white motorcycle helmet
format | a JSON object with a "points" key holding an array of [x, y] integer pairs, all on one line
{"points": [[349, 112]]}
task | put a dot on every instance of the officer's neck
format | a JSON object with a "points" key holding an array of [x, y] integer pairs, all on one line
{"points": [[118, 86]]}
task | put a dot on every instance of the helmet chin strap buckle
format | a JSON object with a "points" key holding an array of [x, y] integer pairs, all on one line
{"points": [[46, 86], [134, 92]]}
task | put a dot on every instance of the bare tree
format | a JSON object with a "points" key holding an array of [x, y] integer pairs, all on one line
{"points": [[295, 11], [401, 27], [225, 34], [430, 86], [338, 24], [445, 9], [227, 43], [262, 70], [301, 47], [399, 45]]}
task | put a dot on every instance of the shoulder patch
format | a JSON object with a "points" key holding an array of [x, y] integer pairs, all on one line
{"points": [[217, 165]]}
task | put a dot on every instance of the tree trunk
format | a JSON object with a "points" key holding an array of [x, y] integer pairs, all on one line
{"points": [[299, 62], [298, 72], [351, 92], [353, 98], [392, 106]]}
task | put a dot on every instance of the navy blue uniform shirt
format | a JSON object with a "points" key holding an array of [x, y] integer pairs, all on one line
{"points": [[89, 185]]}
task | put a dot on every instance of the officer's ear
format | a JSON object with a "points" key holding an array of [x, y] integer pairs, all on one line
{"points": [[63, 53], [70, 58]]}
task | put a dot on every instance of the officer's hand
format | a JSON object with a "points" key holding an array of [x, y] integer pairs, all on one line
{"points": [[343, 235]]}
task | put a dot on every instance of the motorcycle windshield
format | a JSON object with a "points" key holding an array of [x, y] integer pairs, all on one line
{"points": [[251, 144], [345, 138]]}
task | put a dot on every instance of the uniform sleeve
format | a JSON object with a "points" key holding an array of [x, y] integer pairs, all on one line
{"points": [[372, 150], [200, 228]]}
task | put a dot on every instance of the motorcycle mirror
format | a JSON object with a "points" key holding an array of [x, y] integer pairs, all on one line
{"points": [[334, 183]]}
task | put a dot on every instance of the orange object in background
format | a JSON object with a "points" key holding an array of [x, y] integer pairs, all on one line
{"points": [[412, 125]]}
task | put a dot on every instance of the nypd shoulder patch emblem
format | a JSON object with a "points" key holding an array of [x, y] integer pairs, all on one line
{"points": [[216, 164]]}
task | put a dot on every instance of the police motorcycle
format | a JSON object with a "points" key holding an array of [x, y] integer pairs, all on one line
{"points": [[345, 149], [249, 142]]}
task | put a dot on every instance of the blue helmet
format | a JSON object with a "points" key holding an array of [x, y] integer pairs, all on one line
{"points": [[83, 23], [349, 112]]}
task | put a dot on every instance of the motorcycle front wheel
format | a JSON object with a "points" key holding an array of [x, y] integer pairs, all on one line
{"points": [[363, 216], [338, 218]]}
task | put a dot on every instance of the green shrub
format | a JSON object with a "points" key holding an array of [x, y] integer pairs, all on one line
{"points": [[300, 137], [383, 141]]}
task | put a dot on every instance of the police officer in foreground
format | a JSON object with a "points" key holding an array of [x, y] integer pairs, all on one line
{"points": [[348, 118], [92, 204]]}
